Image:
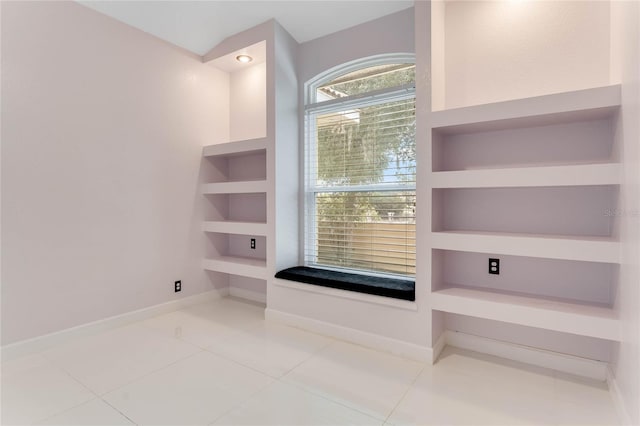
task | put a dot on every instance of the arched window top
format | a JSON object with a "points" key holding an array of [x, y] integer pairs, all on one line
{"points": [[362, 76], [366, 80]]}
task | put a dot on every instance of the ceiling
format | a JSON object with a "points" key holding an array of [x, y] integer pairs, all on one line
{"points": [[198, 26]]}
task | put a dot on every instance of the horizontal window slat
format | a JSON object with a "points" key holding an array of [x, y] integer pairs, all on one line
{"points": [[408, 104], [404, 243], [382, 263], [355, 250], [381, 266], [337, 129]]}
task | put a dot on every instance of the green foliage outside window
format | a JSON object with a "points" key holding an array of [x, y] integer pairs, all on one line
{"points": [[371, 145]]}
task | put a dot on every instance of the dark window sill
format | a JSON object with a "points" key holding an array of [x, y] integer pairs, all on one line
{"points": [[380, 286]]}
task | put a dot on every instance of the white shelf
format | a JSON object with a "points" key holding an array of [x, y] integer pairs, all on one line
{"points": [[584, 320], [573, 175], [234, 227], [243, 266], [591, 249], [229, 149], [578, 105], [245, 187]]}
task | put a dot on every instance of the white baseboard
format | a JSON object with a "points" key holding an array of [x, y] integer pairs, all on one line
{"points": [[40, 343], [243, 293], [370, 340], [529, 355], [439, 346], [618, 401], [553, 360]]}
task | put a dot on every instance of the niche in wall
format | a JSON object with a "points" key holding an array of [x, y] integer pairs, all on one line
{"points": [[490, 51], [565, 211], [236, 182]]}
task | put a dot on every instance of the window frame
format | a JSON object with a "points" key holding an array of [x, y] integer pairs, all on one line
{"points": [[311, 109]]}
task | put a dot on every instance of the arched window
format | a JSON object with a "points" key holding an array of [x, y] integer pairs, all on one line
{"points": [[360, 168]]}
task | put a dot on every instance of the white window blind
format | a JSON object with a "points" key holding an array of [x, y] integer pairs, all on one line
{"points": [[360, 178]]}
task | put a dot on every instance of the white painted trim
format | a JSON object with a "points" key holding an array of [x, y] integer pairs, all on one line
{"points": [[589, 249], [548, 314], [242, 147], [240, 187], [439, 346], [40, 343], [235, 227], [370, 340], [236, 265], [345, 294], [618, 400], [243, 293], [537, 110], [553, 360], [572, 175], [390, 94]]}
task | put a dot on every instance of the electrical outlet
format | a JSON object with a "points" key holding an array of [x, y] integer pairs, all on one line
{"points": [[253, 244], [494, 266], [177, 286]]}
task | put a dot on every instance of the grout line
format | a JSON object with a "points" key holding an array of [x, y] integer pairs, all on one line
{"points": [[115, 408], [301, 388], [150, 373], [322, 348], [278, 377], [95, 396], [100, 395], [243, 401], [323, 396], [405, 393], [210, 351]]}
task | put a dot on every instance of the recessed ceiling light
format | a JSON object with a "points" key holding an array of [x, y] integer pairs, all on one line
{"points": [[244, 58]]}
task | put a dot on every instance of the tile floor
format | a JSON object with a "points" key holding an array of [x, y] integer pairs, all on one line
{"points": [[220, 363]]}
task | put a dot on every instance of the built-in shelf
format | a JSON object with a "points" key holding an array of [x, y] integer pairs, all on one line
{"points": [[547, 168], [235, 227], [591, 249], [243, 266], [245, 187], [572, 175], [237, 169], [585, 320], [237, 148], [588, 104]]}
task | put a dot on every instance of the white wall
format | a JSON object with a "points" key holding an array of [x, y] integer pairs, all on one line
{"points": [[499, 50], [248, 103], [389, 34], [102, 130], [283, 197], [626, 69]]}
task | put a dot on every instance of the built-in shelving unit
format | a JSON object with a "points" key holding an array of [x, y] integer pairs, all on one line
{"points": [[534, 181], [243, 211], [239, 173]]}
